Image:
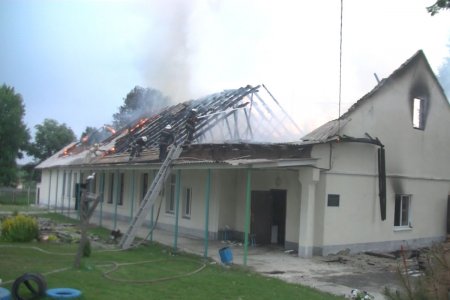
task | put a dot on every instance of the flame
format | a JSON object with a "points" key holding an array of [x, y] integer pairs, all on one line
{"points": [[139, 124], [112, 130]]}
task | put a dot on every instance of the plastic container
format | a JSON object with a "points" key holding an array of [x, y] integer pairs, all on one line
{"points": [[226, 256]]}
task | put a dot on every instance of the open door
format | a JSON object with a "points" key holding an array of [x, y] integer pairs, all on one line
{"points": [[268, 217]]}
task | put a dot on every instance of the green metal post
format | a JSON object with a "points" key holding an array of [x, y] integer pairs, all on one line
{"points": [[207, 195], [247, 214], [69, 191], [177, 208], [132, 195], [56, 192], [79, 196], [153, 206], [116, 192], [49, 189], [102, 193]]}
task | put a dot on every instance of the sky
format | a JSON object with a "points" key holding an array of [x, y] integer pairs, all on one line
{"points": [[75, 61]]}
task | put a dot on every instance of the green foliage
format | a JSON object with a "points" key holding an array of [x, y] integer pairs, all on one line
{"points": [[14, 135], [139, 102], [19, 228], [438, 6], [50, 137]]}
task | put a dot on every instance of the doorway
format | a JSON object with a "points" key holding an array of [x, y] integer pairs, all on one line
{"points": [[268, 217]]}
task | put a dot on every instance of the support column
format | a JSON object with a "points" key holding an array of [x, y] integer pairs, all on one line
{"points": [[247, 213], [69, 191], [132, 195], [78, 198], [102, 195], [116, 200], [177, 208], [308, 178], [63, 192], [56, 192], [207, 196], [49, 189]]}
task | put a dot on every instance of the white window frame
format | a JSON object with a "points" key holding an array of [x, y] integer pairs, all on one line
{"points": [[170, 196], [401, 221], [187, 202], [418, 113]]}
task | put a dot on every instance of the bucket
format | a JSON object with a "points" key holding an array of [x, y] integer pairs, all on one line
{"points": [[226, 256]]}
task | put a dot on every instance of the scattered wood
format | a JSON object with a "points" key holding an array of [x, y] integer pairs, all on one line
{"points": [[381, 254]]}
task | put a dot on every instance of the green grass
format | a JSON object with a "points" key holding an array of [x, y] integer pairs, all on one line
{"points": [[162, 275], [169, 276]]}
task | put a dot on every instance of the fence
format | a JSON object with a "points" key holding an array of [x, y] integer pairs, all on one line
{"points": [[17, 196]]}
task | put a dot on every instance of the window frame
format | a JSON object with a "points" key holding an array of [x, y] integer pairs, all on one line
{"points": [[170, 196], [418, 117], [399, 210], [187, 202]]}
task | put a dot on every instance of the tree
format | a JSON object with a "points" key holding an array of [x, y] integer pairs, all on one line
{"points": [[438, 6], [88, 131], [50, 137], [444, 76], [139, 102], [14, 135]]}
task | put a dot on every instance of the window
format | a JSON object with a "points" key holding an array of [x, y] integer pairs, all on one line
{"points": [[170, 200], [121, 181], [111, 188], [187, 202], [402, 212], [144, 186], [333, 200], [418, 113]]}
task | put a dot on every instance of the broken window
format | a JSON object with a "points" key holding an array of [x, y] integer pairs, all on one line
{"points": [[111, 188], [170, 200], [333, 200], [418, 113], [187, 202], [121, 183], [402, 211], [144, 186]]}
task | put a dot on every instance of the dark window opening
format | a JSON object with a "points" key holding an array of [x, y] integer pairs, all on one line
{"points": [[111, 188], [144, 186], [121, 184], [333, 200]]}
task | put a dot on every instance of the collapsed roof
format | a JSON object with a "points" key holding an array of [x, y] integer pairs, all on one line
{"points": [[247, 120]]}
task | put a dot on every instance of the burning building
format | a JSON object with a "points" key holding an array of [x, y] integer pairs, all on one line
{"points": [[377, 177]]}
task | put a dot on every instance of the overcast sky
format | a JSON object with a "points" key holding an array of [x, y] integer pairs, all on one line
{"points": [[75, 61]]}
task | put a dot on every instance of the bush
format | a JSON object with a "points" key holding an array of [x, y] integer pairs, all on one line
{"points": [[19, 228]]}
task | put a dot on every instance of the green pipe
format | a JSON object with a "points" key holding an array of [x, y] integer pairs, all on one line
{"points": [[132, 195], [63, 191], [153, 206], [49, 189], [56, 192], [207, 195], [69, 191], [247, 214], [177, 208], [116, 192], [102, 195], [79, 196]]}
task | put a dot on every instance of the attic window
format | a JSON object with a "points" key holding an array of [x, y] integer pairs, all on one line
{"points": [[418, 113]]}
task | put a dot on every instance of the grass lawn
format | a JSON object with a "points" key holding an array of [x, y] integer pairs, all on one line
{"points": [[147, 272]]}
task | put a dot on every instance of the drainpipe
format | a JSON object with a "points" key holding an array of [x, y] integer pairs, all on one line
{"points": [[247, 214], [116, 192], [56, 192], [207, 195], [132, 195], [177, 208], [49, 189], [102, 193]]}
